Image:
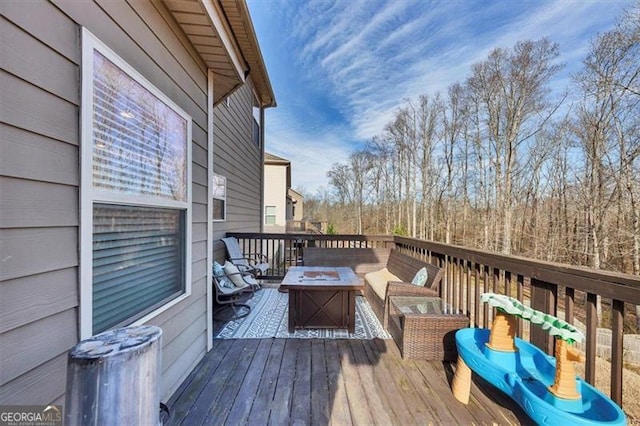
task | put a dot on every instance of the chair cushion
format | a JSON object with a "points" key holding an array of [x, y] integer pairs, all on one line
{"points": [[420, 279], [229, 290], [378, 281], [234, 274], [250, 280], [221, 277]]}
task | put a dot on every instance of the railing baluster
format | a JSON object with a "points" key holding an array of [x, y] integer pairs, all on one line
{"points": [[520, 297], [485, 307], [617, 336], [461, 291], [592, 322], [476, 287], [569, 300], [450, 279], [456, 284], [467, 267], [543, 298]]}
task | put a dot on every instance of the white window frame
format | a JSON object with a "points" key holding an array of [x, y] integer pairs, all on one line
{"points": [[275, 216], [89, 195], [223, 198]]}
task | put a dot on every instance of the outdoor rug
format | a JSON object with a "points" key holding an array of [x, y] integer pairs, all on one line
{"points": [[269, 318]]}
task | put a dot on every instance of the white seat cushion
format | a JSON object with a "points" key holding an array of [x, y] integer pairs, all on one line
{"points": [[378, 281]]}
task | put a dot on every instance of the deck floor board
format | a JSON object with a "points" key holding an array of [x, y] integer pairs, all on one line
{"points": [[302, 391], [263, 400], [320, 395], [281, 403], [250, 385], [340, 413], [191, 388], [328, 382]]}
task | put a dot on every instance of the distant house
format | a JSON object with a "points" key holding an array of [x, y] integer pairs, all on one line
{"points": [[277, 183], [295, 205], [131, 142]]}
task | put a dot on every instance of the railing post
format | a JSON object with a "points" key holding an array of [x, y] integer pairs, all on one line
{"points": [[543, 298]]}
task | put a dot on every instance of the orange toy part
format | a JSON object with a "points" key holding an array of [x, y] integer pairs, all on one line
{"points": [[503, 330], [565, 382]]}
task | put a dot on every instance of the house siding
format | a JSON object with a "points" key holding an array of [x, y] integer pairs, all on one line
{"points": [[39, 182], [239, 159]]}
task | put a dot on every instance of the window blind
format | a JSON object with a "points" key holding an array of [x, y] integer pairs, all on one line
{"points": [[139, 141], [138, 261]]}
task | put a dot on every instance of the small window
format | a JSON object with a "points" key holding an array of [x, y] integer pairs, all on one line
{"points": [[270, 215], [219, 198], [256, 126]]}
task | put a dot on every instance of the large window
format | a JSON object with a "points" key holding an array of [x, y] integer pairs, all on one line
{"points": [[136, 199]]}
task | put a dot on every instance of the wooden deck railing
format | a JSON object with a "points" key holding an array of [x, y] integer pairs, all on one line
{"points": [[306, 226], [547, 286]]}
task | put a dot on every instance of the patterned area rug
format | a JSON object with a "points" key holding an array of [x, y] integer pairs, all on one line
{"points": [[269, 318]]}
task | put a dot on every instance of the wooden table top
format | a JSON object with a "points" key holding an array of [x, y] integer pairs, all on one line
{"points": [[321, 277]]}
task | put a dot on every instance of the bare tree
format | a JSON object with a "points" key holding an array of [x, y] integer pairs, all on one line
{"points": [[607, 129], [351, 180], [381, 153], [453, 118], [512, 87]]}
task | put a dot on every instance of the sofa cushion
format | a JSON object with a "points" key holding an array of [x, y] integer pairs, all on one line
{"points": [[378, 281], [421, 277]]}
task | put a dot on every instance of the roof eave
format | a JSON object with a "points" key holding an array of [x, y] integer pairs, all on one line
{"points": [[246, 38], [222, 34]]}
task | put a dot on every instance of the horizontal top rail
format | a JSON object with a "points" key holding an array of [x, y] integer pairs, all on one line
{"points": [[615, 285], [311, 237]]}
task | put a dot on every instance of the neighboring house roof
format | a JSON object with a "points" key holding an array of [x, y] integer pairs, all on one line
{"points": [[296, 193], [228, 46], [274, 159]]}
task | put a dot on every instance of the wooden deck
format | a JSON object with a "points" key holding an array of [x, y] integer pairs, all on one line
{"points": [[322, 382]]}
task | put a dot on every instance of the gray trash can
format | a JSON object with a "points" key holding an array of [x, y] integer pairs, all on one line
{"points": [[112, 378]]}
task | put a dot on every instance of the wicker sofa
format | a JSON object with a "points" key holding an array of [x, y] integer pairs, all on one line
{"points": [[386, 272]]}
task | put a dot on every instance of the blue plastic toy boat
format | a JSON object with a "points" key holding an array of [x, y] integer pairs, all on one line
{"points": [[526, 374]]}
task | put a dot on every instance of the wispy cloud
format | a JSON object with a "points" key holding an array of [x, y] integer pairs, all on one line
{"points": [[311, 151], [343, 67]]}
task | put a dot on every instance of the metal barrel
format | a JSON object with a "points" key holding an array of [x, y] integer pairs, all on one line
{"points": [[112, 378]]}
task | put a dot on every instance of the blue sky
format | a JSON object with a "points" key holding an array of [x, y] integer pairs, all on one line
{"points": [[340, 68]]}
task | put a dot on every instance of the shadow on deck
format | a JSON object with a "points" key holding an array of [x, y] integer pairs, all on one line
{"points": [[321, 382]]}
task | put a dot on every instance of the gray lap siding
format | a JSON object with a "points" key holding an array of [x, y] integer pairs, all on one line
{"points": [[39, 181]]}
